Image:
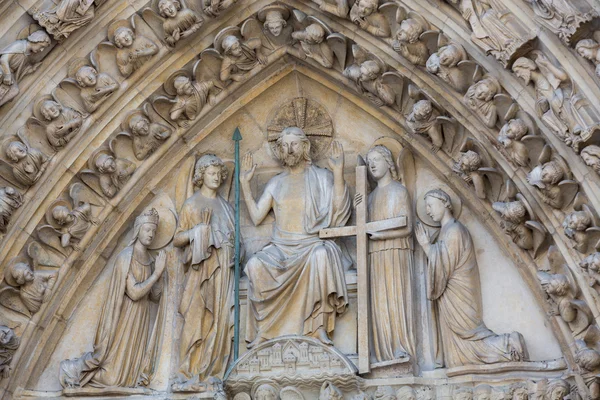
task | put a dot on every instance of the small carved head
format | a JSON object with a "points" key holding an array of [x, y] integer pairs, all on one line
{"points": [[124, 37], [591, 263], [552, 173], [210, 171], [292, 147], [469, 161], [422, 110], [183, 86], [232, 46], [86, 76], [556, 285], [366, 7], [482, 392], [369, 70], [144, 228], [591, 157], [406, 393], [484, 90], [437, 204], [313, 34], [330, 392], [16, 151], [139, 125], [6, 335], [274, 22], [21, 273], [266, 392], [577, 221], [588, 49], [380, 161], [38, 41], [523, 67], [385, 393], [409, 31], [15, 200], [168, 8], [511, 211], [50, 110], [106, 164], [62, 215], [557, 390], [450, 55], [515, 129]]}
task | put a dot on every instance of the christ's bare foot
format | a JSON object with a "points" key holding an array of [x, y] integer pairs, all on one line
{"points": [[322, 335]]}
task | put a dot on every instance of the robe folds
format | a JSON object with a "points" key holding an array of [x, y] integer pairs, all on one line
{"points": [[297, 283], [391, 275], [453, 284], [207, 300], [125, 347]]}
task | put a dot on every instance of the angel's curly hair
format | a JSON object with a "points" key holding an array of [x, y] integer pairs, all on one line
{"points": [[203, 163]]}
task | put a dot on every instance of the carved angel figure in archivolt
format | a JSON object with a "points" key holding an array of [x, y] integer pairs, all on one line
{"points": [[486, 99], [64, 17], [414, 39], [189, 92], [107, 173], [451, 64], [67, 220], [23, 290], [172, 20], [553, 178], [58, 123], [315, 40], [521, 140], [25, 163], [86, 87], [142, 129], [369, 72], [129, 46]]}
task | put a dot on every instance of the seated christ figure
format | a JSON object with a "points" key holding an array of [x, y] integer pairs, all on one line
{"points": [[296, 283]]}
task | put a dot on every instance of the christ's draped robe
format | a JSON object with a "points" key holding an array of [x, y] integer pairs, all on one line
{"points": [[297, 283], [453, 284], [207, 300], [391, 277]]}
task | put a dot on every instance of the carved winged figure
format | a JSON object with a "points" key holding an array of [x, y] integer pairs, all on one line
{"points": [[413, 37], [451, 64], [426, 119], [591, 157], [85, 83], [365, 13], [132, 48], [335, 7], [486, 99], [175, 19], [271, 26], [65, 17], [106, 173], [10, 201], [239, 56], [18, 60], [581, 226], [318, 42], [58, 123], [9, 343], [214, 7], [146, 135], [587, 357], [369, 74], [591, 267], [519, 139], [473, 165], [552, 178], [24, 290], [27, 163], [590, 50]]}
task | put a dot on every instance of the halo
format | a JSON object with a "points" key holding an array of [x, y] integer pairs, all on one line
{"points": [[75, 65], [394, 146], [112, 28], [49, 218], [262, 13], [8, 278], [169, 84], [130, 115], [95, 155], [421, 207], [229, 31], [37, 106], [167, 224], [307, 115]]}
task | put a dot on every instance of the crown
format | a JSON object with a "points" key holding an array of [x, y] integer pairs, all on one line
{"points": [[148, 217]]}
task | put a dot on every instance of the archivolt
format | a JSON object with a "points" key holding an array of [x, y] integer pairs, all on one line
{"points": [[81, 269]]}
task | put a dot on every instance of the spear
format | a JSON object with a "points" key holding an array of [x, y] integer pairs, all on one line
{"points": [[237, 137]]}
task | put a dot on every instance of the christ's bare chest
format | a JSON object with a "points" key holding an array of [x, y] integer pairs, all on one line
{"points": [[288, 203]]}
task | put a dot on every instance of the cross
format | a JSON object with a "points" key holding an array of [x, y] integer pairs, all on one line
{"points": [[361, 231]]}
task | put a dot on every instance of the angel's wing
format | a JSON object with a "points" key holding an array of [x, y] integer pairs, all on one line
{"points": [[161, 105], [51, 237], [11, 299], [431, 39], [184, 188], [495, 180], [539, 237], [395, 81], [506, 107], [44, 257], [80, 194], [470, 72], [339, 45], [568, 191], [154, 21], [92, 180], [208, 68], [225, 190], [104, 58], [122, 146], [67, 93], [251, 28]]}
